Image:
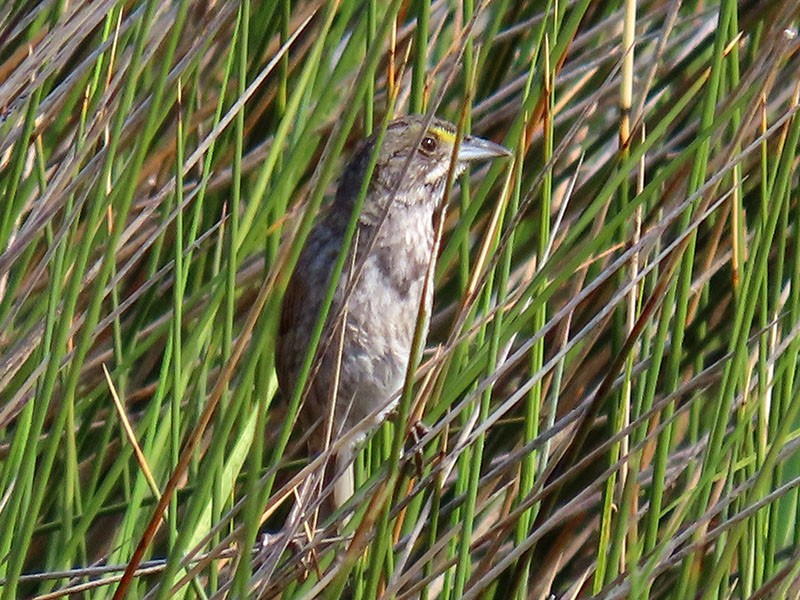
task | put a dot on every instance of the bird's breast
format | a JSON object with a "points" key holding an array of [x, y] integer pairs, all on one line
{"points": [[382, 310]]}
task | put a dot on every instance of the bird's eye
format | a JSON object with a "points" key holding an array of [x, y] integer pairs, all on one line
{"points": [[428, 144]]}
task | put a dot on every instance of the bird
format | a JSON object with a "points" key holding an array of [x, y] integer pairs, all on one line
{"points": [[364, 351]]}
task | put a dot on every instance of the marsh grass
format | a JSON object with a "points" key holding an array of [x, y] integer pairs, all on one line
{"points": [[609, 384]]}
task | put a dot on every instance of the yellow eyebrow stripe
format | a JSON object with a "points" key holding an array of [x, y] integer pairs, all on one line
{"points": [[444, 134]]}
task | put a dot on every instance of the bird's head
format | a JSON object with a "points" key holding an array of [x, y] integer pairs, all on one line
{"points": [[412, 163]]}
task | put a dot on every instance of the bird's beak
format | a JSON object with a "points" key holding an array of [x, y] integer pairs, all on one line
{"points": [[475, 148]]}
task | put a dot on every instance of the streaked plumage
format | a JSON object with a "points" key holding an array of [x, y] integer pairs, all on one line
{"points": [[371, 354]]}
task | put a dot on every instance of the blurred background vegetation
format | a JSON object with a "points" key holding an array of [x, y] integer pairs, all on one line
{"points": [[609, 383]]}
